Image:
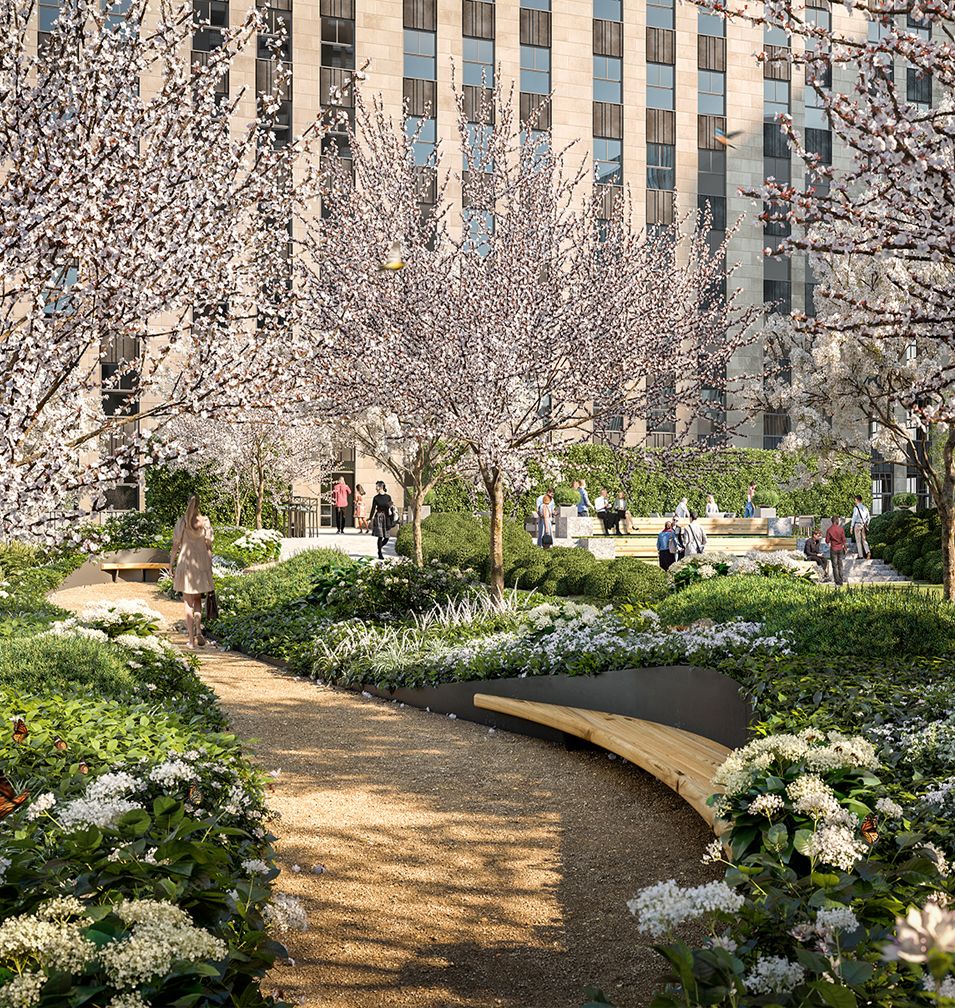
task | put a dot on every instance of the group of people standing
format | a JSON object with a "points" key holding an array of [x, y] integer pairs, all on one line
{"points": [[837, 544], [675, 541]]}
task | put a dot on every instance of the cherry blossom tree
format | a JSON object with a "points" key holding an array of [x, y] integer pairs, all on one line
{"points": [[417, 461], [526, 317], [261, 455], [143, 250], [878, 225]]}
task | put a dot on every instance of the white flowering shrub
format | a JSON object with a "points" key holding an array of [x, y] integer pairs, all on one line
{"points": [[704, 566], [818, 859], [120, 617]]}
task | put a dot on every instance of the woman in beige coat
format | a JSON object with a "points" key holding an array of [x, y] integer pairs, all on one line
{"points": [[192, 566]]}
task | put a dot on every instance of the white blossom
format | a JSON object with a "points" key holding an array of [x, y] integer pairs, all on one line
{"points": [[774, 975], [660, 908]]}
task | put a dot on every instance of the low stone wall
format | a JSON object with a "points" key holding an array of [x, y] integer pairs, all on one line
{"points": [[699, 700]]}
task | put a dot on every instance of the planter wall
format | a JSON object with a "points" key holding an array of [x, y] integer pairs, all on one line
{"points": [[90, 574], [699, 700]]}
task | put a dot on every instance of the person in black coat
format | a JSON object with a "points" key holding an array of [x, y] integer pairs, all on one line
{"points": [[382, 517]]}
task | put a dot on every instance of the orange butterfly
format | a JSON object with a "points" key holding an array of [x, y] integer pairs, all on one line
{"points": [[9, 799], [20, 730], [59, 745], [870, 832], [83, 768]]}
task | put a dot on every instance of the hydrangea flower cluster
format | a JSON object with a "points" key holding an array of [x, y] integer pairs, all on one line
{"points": [[122, 616], [284, 913], [817, 751], [774, 975], [660, 908], [703, 566], [258, 539]]}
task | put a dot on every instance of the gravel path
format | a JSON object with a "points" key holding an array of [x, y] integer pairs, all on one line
{"points": [[462, 867]]}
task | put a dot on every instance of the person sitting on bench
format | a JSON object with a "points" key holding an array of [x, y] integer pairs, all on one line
{"points": [[814, 551]]}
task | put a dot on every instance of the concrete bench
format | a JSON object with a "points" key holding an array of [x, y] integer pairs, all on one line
{"points": [[680, 759]]}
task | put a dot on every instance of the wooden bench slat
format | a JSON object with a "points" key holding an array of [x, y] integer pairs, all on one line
{"points": [[682, 760], [134, 566]]}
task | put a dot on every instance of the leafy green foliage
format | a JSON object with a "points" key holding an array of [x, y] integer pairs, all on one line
{"points": [[168, 490], [726, 474], [864, 621], [461, 540], [910, 541]]}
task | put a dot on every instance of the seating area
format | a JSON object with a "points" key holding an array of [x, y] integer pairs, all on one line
{"points": [[724, 535], [680, 759]]}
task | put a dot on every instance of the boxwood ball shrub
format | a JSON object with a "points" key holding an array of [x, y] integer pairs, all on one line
{"points": [[905, 500], [766, 498]]}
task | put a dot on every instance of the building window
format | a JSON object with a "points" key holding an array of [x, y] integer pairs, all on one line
{"points": [[659, 13], [659, 86], [778, 168], [772, 34], [608, 159], [275, 41], [918, 87], [477, 157], [775, 428], [919, 26], [608, 10], [479, 225], [479, 62], [717, 205], [535, 69], [882, 488], [608, 79], [661, 159], [338, 43], [420, 50], [712, 93], [423, 133], [775, 98], [819, 141], [47, 13], [535, 4], [778, 295], [712, 172], [710, 24]]}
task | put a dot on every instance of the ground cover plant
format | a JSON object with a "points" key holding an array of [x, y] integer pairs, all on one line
{"points": [[135, 858]]}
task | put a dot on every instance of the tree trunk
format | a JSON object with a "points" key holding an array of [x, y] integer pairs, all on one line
{"points": [[494, 484], [946, 514], [238, 503], [416, 529], [259, 503]]}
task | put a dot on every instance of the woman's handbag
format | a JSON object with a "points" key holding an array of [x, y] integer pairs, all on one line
{"points": [[547, 539], [212, 606]]}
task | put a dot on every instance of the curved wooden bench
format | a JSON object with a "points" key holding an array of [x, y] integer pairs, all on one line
{"points": [[116, 568], [681, 760]]}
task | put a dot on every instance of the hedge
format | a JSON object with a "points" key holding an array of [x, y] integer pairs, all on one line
{"points": [[910, 541], [725, 474], [461, 540]]}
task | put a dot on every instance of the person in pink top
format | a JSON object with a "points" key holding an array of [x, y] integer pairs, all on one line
{"points": [[340, 493], [836, 538]]}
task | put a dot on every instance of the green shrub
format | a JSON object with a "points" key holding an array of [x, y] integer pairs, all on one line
{"points": [[905, 500], [766, 498], [284, 582], [865, 621], [918, 568], [658, 486], [636, 582], [16, 557], [933, 569], [452, 495], [565, 495]]}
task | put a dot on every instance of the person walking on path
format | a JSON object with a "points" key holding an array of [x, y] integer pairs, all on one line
{"points": [[664, 546], [749, 508], [836, 539], [583, 501], [682, 509], [545, 522], [813, 551], [382, 517], [712, 508], [340, 494], [361, 522], [191, 560], [695, 537], [860, 529]]}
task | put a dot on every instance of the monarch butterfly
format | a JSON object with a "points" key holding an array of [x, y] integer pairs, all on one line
{"points": [[869, 831], [9, 799], [59, 745], [20, 730]]}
